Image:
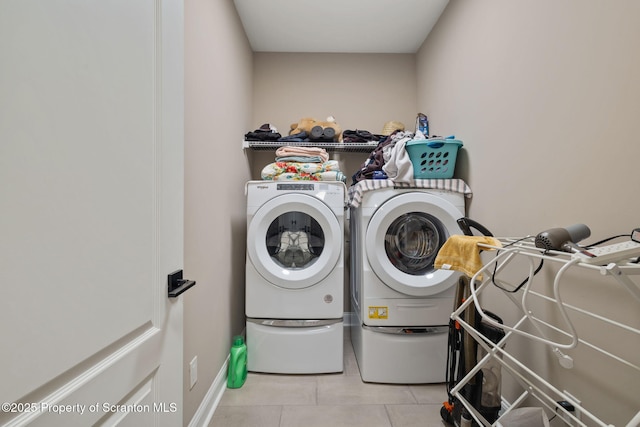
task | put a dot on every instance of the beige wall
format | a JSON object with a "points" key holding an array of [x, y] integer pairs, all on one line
{"points": [[218, 85], [362, 91], [546, 97]]}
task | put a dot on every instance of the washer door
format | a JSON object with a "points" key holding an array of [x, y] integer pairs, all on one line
{"points": [[403, 238], [294, 240]]}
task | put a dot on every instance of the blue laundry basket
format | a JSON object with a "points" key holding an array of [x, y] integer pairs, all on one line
{"points": [[433, 158]]}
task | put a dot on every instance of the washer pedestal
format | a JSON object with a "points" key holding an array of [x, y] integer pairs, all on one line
{"points": [[395, 355], [295, 346]]}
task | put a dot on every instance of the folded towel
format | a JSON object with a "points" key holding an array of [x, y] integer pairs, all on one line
{"points": [[461, 253], [277, 168], [302, 176], [300, 159], [290, 150]]}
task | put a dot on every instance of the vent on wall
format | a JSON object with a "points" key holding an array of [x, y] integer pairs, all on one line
{"points": [[338, 26]]}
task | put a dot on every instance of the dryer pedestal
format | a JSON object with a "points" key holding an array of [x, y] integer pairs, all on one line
{"points": [[295, 346], [396, 355]]}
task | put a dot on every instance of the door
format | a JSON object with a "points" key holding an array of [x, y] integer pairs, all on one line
{"points": [[294, 240], [91, 138], [403, 238]]}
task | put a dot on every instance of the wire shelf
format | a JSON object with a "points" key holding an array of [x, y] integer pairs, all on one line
{"points": [[356, 147]]}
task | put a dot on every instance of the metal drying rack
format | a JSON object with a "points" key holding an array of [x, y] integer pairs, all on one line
{"points": [[565, 335]]}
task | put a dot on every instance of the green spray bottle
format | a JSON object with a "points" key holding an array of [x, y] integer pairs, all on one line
{"points": [[237, 363]]}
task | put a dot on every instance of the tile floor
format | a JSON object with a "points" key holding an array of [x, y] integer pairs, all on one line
{"points": [[329, 400]]}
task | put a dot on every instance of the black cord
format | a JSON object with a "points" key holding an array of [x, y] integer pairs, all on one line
{"points": [[517, 288], [606, 240], [637, 260], [495, 269]]}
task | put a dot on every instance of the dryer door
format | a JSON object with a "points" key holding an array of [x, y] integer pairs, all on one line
{"points": [[403, 238], [294, 240]]}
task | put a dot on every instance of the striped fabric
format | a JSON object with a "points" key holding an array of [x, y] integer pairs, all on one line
{"points": [[356, 191]]}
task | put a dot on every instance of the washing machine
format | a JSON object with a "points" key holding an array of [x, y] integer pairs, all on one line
{"points": [[294, 276], [401, 304]]}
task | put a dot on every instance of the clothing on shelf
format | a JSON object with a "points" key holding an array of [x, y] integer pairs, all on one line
{"points": [[266, 132], [360, 136]]}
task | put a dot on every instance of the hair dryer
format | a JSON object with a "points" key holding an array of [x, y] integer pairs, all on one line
{"points": [[562, 239]]}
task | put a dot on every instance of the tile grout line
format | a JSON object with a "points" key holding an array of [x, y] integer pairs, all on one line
{"points": [[386, 411]]}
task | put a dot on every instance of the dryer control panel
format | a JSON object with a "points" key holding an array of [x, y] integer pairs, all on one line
{"points": [[295, 187], [331, 193]]}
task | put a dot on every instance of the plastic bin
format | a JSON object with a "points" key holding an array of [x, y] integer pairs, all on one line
{"points": [[433, 158]]}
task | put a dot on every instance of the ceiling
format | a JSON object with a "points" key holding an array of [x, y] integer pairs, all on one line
{"points": [[344, 26]]}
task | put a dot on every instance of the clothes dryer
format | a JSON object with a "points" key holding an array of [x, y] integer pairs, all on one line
{"points": [[402, 305], [294, 276]]}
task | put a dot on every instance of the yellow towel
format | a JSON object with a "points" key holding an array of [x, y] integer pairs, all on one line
{"points": [[461, 253]]}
